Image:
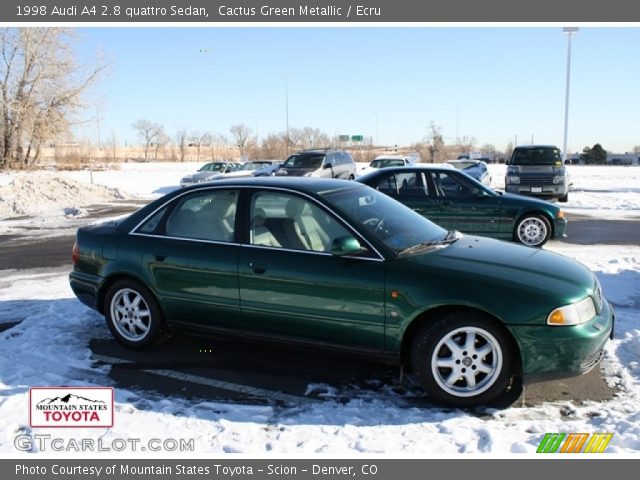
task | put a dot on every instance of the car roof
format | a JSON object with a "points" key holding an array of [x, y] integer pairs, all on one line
{"points": [[392, 157], [533, 147], [303, 184]]}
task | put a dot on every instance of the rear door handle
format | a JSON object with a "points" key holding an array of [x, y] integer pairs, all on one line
{"points": [[259, 269], [160, 256]]}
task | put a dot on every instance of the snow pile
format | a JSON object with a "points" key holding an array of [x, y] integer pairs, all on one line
{"points": [[32, 193]]}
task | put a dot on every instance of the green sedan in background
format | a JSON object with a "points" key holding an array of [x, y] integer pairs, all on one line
{"points": [[336, 264], [456, 201]]}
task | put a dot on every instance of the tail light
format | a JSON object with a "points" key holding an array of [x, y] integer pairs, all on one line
{"points": [[75, 253]]}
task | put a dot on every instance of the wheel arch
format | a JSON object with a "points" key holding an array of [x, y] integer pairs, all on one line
{"points": [[116, 277], [543, 213], [431, 315]]}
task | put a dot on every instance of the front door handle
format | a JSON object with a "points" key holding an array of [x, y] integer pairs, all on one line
{"points": [[259, 269], [160, 256]]}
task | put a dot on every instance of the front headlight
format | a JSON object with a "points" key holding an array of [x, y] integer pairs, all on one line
{"points": [[558, 179], [573, 314], [513, 179]]}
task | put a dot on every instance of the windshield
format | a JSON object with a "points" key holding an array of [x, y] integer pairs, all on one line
{"points": [[536, 156], [395, 225], [387, 162], [213, 167], [254, 165], [306, 160], [462, 165]]}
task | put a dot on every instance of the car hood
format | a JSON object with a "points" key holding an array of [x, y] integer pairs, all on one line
{"points": [[202, 176], [295, 172], [239, 174], [524, 200], [505, 265]]}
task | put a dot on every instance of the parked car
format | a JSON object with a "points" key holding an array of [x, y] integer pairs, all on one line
{"points": [[268, 170], [326, 163], [474, 168], [456, 201], [383, 161], [248, 169], [335, 264], [208, 172], [537, 170]]}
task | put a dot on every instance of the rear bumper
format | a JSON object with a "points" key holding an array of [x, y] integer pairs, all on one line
{"points": [[86, 288], [557, 352]]}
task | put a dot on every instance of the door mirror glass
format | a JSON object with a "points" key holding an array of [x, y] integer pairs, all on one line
{"points": [[346, 245]]}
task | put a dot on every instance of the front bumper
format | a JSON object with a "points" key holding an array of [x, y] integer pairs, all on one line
{"points": [[542, 191], [559, 227], [554, 352]]}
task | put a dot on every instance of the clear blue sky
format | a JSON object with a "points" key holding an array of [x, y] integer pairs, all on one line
{"points": [[487, 82]]}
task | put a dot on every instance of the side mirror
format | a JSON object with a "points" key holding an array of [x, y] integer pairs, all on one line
{"points": [[346, 245], [328, 165]]}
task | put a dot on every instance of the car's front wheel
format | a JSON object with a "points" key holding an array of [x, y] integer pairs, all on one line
{"points": [[463, 359], [133, 314], [533, 230]]}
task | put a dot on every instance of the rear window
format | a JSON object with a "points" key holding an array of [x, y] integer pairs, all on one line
{"points": [[304, 161], [536, 156]]}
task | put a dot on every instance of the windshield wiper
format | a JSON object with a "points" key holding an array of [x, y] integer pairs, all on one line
{"points": [[450, 237]]}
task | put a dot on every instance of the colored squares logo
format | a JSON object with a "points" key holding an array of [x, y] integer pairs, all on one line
{"points": [[574, 443]]}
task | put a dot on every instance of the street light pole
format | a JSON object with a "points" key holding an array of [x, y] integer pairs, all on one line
{"points": [[569, 31]]}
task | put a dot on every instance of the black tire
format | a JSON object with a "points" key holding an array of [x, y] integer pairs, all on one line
{"points": [[352, 177], [564, 199], [133, 314], [532, 229], [487, 362]]}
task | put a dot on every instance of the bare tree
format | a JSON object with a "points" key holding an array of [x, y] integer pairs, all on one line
{"points": [[113, 145], [160, 143], [181, 141], [149, 132], [508, 150], [488, 148], [636, 149], [435, 144], [42, 90], [241, 134], [198, 140]]}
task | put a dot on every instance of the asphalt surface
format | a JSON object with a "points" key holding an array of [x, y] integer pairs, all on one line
{"points": [[230, 370]]}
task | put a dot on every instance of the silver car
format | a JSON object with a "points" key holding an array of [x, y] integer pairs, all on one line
{"points": [[210, 171]]}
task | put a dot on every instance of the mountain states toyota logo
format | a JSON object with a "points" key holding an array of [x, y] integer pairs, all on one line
{"points": [[71, 407]]}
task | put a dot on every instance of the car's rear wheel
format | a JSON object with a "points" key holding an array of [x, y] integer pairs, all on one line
{"points": [[463, 359], [533, 230], [133, 314]]}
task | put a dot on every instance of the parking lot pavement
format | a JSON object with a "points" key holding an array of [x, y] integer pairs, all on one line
{"points": [[231, 370]]}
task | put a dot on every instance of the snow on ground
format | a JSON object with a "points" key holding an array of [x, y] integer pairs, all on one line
{"points": [[609, 192], [46, 193], [50, 347]]}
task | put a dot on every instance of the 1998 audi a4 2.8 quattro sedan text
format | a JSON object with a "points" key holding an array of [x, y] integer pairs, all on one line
{"points": [[336, 264]]}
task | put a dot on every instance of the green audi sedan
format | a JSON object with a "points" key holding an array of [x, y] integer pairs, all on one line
{"points": [[455, 200], [336, 264]]}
